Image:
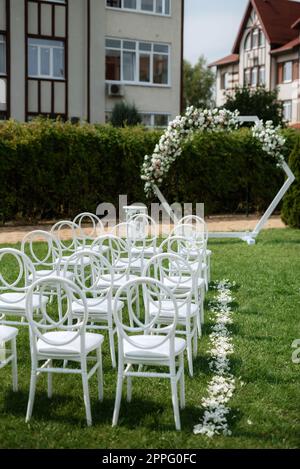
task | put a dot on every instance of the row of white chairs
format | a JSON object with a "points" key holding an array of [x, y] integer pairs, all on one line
{"points": [[103, 277]]}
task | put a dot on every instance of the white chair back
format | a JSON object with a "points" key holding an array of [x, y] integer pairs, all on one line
{"points": [[69, 236], [138, 294], [90, 225], [115, 249], [46, 258], [56, 316], [16, 270], [89, 275]]}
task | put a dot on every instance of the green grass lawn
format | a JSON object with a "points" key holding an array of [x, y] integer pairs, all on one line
{"points": [[266, 404]]}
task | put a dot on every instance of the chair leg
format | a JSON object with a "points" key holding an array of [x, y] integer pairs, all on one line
{"points": [[190, 354], [14, 365], [50, 388], [175, 396], [86, 394], [100, 375], [31, 394], [118, 397], [195, 341], [129, 389], [182, 384], [112, 347]]}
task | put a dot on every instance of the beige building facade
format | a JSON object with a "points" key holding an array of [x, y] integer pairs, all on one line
{"points": [[78, 58]]}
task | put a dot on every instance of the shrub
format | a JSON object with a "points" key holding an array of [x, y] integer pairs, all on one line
{"points": [[291, 204], [55, 170], [258, 102], [125, 115]]}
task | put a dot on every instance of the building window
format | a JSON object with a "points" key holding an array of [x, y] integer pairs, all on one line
{"points": [[254, 76], [157, 7], [261, 39], [254, 39], [287, 110], [262, 76], [248, 42], [255, 36], [247, 77], [2, 55], [46, 59], [225, 85], [287, 72], [155, 119], [137, 62]]}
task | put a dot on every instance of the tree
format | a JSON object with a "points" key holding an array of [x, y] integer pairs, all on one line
{"points": [[256, 102], [198, 81], [124, 114], [290, 212]]}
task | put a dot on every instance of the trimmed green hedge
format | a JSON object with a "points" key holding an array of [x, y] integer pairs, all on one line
{"points": [[53, 169], [291, 205]]}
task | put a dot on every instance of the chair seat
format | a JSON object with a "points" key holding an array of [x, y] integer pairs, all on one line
{"points": [[51, 273], [119, 281], [171, 282], [167, 310], [95, 307], [92, 342], [7, 333], [135, 264], [16, 301], [161, 352], [65, 259], [91, 248], [147, 252]]}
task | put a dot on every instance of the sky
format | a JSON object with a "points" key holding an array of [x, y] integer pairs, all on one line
{"points": [[211, 27]]}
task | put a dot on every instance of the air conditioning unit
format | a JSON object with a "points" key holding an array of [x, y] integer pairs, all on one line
{"points": [[114, 89]]}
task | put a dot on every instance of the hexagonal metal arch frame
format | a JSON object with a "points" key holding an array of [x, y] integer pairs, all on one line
{"points": [[248, 236]]}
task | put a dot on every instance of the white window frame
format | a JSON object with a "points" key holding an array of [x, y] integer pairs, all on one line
{"points": [[3, 42], [137, 52], [289, 80], [139, 9], [288, 107], [152, 118], [254, 70], [261, 68], [40, 47]]}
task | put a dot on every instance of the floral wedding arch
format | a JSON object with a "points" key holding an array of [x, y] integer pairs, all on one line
{"points": [[169, 148]]}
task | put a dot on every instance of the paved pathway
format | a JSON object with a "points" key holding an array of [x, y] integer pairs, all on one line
{"points": [[14, 234]]}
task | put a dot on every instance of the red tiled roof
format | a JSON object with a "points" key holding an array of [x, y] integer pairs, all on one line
{"points": [[229, 59], [276, 17], [287, 47]]}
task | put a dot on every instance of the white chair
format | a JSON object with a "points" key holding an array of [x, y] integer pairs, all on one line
{"points": [[136, 247], [119, 258], [99, 300], [181, 246], [175, 273], [9, 334], [143, 344], [197, 243], [16, 275], [62, 339], [46, 260], [70, 239], [146, 236], [90, 226], [202, 230]]}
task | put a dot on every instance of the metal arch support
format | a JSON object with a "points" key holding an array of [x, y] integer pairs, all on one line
{"points": [[248, 236]]}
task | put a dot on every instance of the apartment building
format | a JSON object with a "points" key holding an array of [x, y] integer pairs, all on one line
{"points": [[266, 53], [77, 58]]}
